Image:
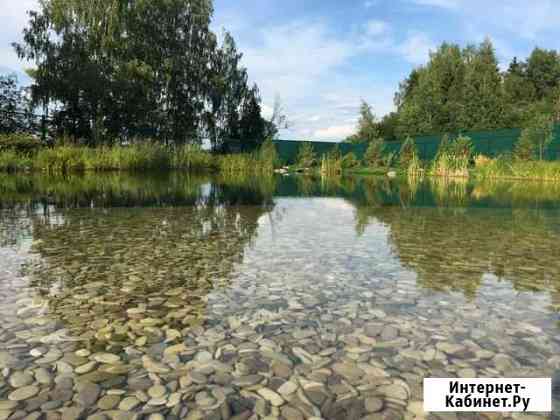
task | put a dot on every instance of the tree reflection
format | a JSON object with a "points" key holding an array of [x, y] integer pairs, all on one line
{"points": [[160, 261], [453, 233]]}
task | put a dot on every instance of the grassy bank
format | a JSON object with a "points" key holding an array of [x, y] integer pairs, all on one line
{"points": [[502, 168], [22, 156]]}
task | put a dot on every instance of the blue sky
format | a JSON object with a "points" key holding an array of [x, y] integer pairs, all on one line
{"points": [[323, 56]]}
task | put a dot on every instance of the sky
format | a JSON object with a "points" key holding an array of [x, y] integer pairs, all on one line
{"points": [[323, 57]]}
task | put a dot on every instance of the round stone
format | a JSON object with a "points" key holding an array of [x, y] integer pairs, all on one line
{"points": [[203, 357], [83, 353], [108, 402], [88, 367], [287, 388], [107, 358], [20, 379], [43, 376], [373, 405], [157, 391], [291, 413], [271, 396], [23, 393], [129, 403]]}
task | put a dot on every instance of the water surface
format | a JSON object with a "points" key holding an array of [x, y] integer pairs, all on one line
{"points": [[285, 298]]}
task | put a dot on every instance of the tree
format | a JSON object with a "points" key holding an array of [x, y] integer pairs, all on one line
{"points": [[306, 157], [482, 106], [374, 153], [142, 68], [543, 71], [431, 100], [15, 113], [518, 93], [388, 126], [536, 137], [525, 146], [278, 120], [252, 126], [368, 128], [408, 152], [463, 89]]}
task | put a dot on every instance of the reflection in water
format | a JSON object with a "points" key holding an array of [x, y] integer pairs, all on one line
{"points": [[289, 296]]}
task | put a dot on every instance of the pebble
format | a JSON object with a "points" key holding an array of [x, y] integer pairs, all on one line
{"points": [[106, 358], [271, 396], [23, 393]]}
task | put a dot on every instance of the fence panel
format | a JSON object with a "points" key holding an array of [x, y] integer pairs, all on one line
{"points": [[488, 143]]}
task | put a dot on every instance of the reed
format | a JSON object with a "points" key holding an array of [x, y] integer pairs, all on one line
{"points": [[508, 168]]}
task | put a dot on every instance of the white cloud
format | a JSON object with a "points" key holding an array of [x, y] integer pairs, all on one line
{"points": [[518, 17], [416, 48], [335, 132], [376, 27], [266, 111], [289, 59], [446, 4], [13, 19]]}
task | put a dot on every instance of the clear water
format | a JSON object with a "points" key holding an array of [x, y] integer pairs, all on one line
{"points": [[286, 298]]}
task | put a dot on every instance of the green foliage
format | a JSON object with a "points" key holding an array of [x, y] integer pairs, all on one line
{"points": [[525, 147], [535, 138], [462, 89], [453, 157], [331, 163], [462, 147], [504, 167], [306, 157], [113, 73], [389, 159], [368, 128], [268, 156], [15, 113], [10, 161], [349, 161], [414, 168], [374, 153], [408, 152], [261, 162], [20, 143]]}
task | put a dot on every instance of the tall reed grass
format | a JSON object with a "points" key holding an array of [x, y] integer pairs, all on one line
{"points": [[67, 158], [508, 168], [453, 158]]}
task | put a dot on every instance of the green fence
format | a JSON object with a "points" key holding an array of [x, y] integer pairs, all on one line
{"points": [[488, 143]]}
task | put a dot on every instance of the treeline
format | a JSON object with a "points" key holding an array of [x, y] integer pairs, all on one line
{"points": [[115, 70], [462, 89]]}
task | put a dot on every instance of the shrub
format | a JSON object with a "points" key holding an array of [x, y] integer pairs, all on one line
{"points": [[349, 161], [453, 157], [462, 148], [266, 157], [389, 159], [11, 161], [374, 153], [414, 168], [481, 160], [525, 147], [331, 163], [535, 138], [23, 144], [408, 152], [306, 157]]}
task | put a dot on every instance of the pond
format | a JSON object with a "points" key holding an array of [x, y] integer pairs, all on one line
{"points": [[203, 298]]}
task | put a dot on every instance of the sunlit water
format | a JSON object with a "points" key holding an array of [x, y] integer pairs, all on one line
{"points": [[286, 298]]}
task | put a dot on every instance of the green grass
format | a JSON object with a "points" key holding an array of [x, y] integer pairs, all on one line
{"points": [[365, 170], [502, 168], [63, 159]]}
